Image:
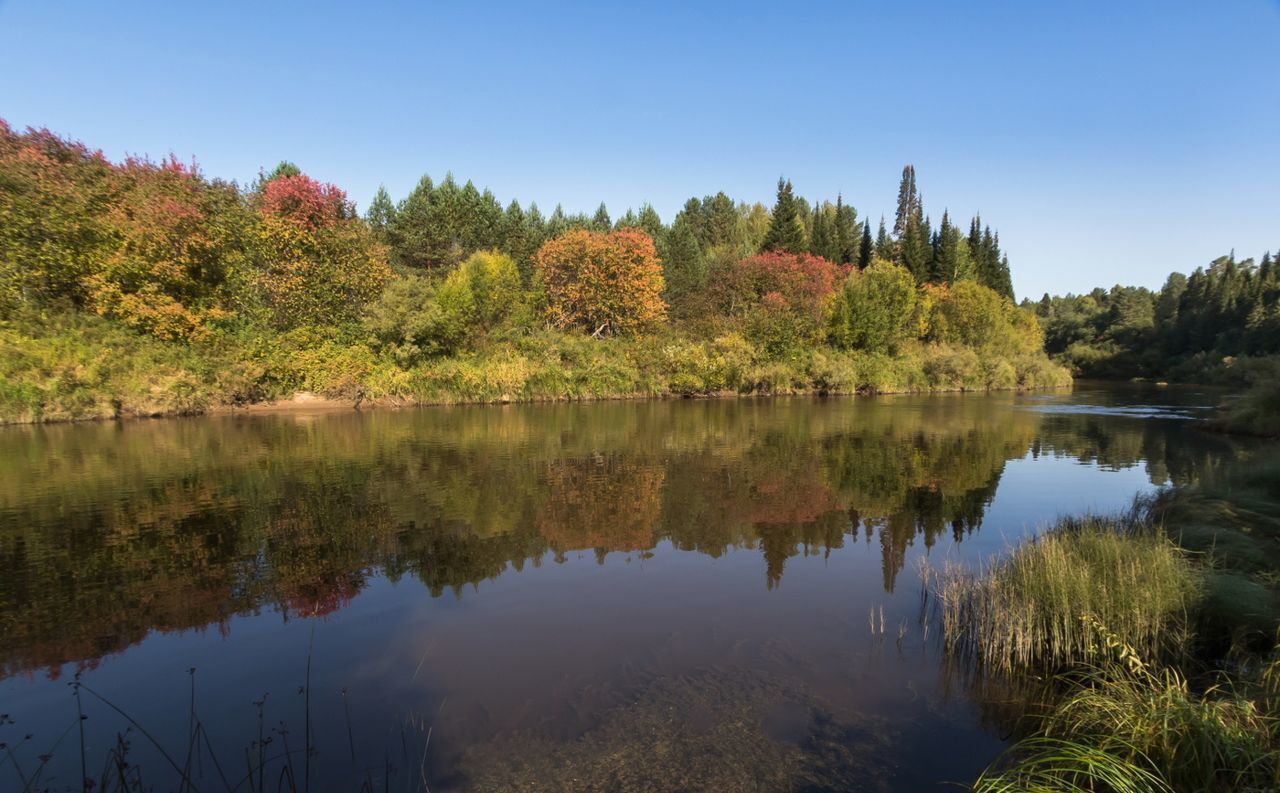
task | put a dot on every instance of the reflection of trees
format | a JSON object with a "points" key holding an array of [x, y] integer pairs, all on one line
{"points": [[605, 502], [109, 531]]}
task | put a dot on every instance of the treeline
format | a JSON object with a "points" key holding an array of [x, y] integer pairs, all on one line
{"points": [[146, 287], [438, 225], [1218, 324]]}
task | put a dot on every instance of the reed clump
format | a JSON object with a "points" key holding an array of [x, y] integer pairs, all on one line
{"points": [[1126, 725], [1033, 607]]}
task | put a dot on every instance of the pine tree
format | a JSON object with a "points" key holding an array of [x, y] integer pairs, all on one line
{"points": [[520, 240], [650, 222], [600, 221], [381, 214], [786, 228], [410, 230], [628, 220], [558, 223], [721, 222]]}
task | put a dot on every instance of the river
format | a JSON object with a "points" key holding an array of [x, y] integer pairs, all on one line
{"points": [[669, 595]]}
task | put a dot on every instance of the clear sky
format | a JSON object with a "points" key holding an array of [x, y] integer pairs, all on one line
{"points": [[1106, 141]]}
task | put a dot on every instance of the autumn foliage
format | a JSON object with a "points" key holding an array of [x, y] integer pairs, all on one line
{"points": [[798, 282], [318, 263], [304, 201], [165, 251], [605, 282]]}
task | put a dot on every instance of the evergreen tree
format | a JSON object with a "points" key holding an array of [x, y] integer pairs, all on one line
{"points": [[721, 223], [848, 235], [786, 228], [909, 205], [823, 241], [558, 223], [381, 214], [915, 251], [520, 238], [885, 249], [650, 222], [600, 221], [684, 267], [951, 261], [410, 234], [866, 247]]}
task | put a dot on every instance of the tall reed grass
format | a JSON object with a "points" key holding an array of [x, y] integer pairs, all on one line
{"points": [[1033, 607]]}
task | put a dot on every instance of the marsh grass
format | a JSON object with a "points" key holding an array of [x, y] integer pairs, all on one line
{"points": [[1032, 608], [1255, 412], [1124, 724]]}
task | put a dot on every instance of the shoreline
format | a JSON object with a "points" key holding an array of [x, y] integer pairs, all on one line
{"points": [[303, 402]]}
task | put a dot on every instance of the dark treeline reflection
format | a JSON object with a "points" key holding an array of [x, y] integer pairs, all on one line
{"points": [[109, 531]]}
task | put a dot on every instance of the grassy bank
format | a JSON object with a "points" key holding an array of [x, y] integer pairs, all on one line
{"points": [[1157, 632], [1255, 412], [75, 366]]}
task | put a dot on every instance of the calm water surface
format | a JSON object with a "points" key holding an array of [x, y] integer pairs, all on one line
{"points": [[616, 596]]}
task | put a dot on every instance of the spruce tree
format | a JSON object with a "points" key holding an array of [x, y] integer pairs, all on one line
{"points": [[684, 267], [884, 249], [866, 247], [823, 242], [909, 206], [952, 261], [848, 235], [786, 228], [558, 223]]}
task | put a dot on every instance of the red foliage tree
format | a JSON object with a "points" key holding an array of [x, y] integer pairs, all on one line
{"points": [[308, 202], [780, 280]]}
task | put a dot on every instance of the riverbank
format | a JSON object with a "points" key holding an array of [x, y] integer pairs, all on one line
{"points": [[78, 367], [1156, 633]]}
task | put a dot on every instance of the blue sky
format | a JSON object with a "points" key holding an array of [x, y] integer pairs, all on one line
{"points": [[1107, 142]]}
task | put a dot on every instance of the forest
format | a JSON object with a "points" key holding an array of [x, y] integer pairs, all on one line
{"points": [[148, 288], [1219, 324]]}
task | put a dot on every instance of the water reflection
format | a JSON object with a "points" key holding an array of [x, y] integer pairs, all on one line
{"points": [[111, 531]]}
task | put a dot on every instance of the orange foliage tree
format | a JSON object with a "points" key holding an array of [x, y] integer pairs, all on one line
{"points": [[606, 282]]}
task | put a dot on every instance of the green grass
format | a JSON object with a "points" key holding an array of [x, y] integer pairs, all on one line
{"points": [[83, 367], [1033, 608], [1255, 412], [74, 366], [1122, 714], [1126, 725]]}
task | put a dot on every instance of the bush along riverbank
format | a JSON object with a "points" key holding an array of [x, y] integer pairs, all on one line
{"points": [[79, 367], [146, 288], [1155, 632]]}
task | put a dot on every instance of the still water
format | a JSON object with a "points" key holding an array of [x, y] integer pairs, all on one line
{"points": [[681, 595]]}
